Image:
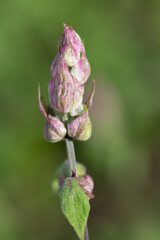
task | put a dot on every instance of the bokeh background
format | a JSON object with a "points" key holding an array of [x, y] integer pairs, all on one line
{"points": [[122, 40]]}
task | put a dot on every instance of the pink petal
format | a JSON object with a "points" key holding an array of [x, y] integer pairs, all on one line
{"points": [[81, 70], [61, 89]]}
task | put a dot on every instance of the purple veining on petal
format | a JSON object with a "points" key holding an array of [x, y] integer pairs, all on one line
{"points": [[54, 65], [70, 46], [54, 129], [66, 87], [78, 91], [80, 128], [77, 125], [81, 70], [42, 105], [87, 184], [61, 89]]}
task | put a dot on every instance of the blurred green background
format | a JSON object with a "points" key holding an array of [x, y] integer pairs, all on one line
{"points": [[122, 40]]}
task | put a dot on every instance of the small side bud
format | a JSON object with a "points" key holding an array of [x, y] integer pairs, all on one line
{"points": [[80, 128], [87, 184], [80, 169], [54, 129]]}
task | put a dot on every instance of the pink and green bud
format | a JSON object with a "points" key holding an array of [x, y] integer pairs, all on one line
{"points": [[70, 70], [65, 92], [54, 129], [87, 184], [70, 46], [80, 128]]}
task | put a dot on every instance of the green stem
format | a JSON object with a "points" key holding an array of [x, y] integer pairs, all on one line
{"points": [[72, 170], [71, 157]]}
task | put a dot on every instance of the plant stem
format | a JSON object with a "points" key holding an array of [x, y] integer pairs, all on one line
{"points": [[86, 235], [71, 157], [72, 170]]}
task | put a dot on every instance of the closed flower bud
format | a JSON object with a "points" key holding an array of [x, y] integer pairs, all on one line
{"points": [[87, 184], [54, 129], [65, 92], [70, 46], [80, 128]]}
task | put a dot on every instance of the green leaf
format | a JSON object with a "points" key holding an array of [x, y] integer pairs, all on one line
{"points": [[75, 205]]}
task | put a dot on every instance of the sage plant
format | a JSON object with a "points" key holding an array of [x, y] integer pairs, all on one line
{"points": [[67, 118]]}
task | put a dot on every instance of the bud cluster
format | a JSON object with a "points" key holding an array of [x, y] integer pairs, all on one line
{"points": [[84, 179], [68, 115]]}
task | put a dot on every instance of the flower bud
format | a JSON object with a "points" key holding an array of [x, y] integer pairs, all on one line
{"points": [[80, 128], [54, 129], [65, 92], [87, 184], [70, 46]]}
